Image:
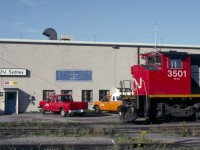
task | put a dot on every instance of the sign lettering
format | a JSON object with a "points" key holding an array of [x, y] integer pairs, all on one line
{"points": [[73, 75], [13, 72]]}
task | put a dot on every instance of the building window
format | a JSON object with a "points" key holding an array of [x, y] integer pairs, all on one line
{"points": [[103, 93], [69, 92], [87, 95], [47, 93]]}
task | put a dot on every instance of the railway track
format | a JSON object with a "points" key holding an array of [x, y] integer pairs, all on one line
{"points": [[122, 136], [119, 128], [142, 146]]}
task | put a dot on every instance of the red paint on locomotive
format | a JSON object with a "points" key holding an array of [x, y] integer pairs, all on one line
{"points": [[163, 73]]}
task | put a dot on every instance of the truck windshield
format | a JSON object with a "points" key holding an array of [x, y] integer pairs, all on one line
{"points": [[119, 98], [65, 98], [106, 99]]}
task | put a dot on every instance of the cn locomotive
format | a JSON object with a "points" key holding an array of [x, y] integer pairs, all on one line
{"points": [[163, 88]]}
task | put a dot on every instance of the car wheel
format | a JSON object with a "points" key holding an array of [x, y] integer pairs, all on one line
{"points": [[42, 111], [63, 113], [97, 109]]}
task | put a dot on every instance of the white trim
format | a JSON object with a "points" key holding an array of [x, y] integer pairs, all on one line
{"points": [[96, 43]]}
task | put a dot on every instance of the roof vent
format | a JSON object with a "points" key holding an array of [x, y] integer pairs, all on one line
{"points": [[51, 33], [66, 38]]}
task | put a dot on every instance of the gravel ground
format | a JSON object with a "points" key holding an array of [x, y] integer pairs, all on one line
{"points": [[56, 141], [49, 117], [89, 119]]}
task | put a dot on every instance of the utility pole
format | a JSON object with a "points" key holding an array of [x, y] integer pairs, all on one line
{"points": [[155, 32]]}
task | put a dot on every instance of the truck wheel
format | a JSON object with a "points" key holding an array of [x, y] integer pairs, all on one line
{"points": [[97, 109], [119, 109], [63, 113], [42, 111], [81, 114]]}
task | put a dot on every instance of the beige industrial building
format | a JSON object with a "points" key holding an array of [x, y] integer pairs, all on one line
{"points": [[32, 69]]}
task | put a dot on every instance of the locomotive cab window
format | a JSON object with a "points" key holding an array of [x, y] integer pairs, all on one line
{"points": [[158, 60], [175, 63], [150, 60]]}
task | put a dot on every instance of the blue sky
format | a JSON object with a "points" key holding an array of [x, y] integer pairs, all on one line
{"points": [[177, 21]]}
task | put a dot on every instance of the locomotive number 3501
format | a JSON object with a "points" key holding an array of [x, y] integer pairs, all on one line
{"points": [[176, 73]]}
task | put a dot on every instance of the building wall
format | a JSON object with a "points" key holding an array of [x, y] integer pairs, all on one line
{"points": [[108, 64]]}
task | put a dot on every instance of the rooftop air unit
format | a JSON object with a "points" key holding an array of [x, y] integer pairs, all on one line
{"points": [[66, 38]]}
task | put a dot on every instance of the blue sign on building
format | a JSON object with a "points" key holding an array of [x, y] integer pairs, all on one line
{"points": [[73, 75]]}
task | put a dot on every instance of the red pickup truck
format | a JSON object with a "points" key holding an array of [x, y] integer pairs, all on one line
{"points": [[64, 104]]}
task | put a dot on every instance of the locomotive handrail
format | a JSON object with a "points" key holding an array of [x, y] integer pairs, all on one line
{"points": [[147, 103], [136, 89]]}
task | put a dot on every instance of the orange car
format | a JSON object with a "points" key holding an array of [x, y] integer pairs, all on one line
{"points": [[108, 103]]}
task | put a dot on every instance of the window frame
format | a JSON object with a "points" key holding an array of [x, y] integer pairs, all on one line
{"points": [[87, 95], [158, 63], [174, 65], [69, 92], [103, 93], [47, 93]]}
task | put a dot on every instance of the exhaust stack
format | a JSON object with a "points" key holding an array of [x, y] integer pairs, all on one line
{"points": [[50, 33]]}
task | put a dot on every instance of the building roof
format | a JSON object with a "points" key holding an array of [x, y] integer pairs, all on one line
{"points": [[92, 43]]}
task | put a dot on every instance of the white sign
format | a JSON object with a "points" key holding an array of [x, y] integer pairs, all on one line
{"points": [[12, 72]]}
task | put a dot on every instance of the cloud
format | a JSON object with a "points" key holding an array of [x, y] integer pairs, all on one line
{"points": [[31, 3]]}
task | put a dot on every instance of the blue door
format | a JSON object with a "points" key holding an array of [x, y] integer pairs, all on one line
{"points": [[10, 102]]}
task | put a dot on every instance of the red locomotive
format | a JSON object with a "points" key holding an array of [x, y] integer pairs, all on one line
{"points": [[162, 88]]}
